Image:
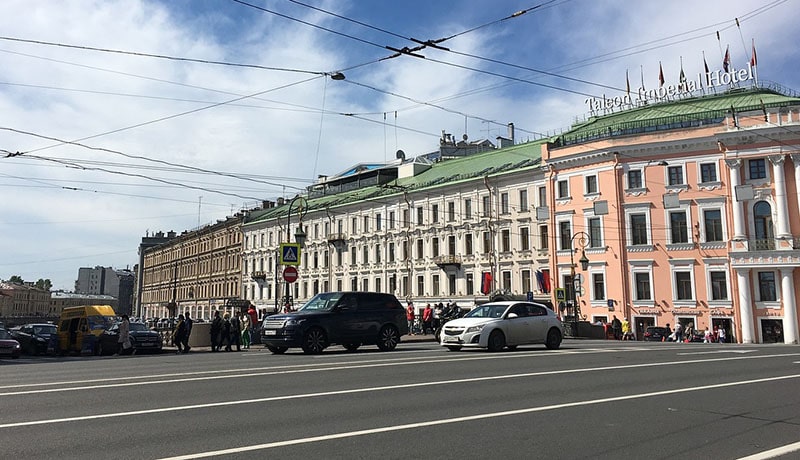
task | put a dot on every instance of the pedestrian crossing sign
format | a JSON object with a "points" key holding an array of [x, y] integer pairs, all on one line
{"points": [[290, 254]]}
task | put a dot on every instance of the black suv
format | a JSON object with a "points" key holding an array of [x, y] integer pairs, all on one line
{"points": [[350, 319]]}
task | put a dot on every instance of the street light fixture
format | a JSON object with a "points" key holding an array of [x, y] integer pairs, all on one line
{"points": [[579, 240], [299, 235]]}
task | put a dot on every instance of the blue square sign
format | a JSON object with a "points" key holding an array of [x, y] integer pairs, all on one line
{"points": [[290, 254]]}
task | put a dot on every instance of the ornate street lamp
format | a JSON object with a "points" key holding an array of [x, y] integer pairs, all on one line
{"points": [[579, 240], [299, 234]]}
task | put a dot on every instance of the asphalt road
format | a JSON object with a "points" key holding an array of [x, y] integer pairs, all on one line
{"points": [[588, 400]]}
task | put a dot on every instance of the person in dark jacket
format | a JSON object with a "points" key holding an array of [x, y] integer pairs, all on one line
{"points": [[179, 333], [216, 330], [188, 325], [235, 336], [226, 332]]}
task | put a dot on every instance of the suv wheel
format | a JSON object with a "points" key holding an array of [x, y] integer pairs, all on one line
{"points": [[277, 350], [388, 338], [553, 339], [314, 341]]}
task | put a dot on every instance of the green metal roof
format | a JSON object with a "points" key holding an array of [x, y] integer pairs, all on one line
{"points": [[492, 162], [680, 114]]}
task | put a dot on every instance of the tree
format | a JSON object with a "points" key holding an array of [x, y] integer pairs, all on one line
{"points": [[44, 285], [16, 279]]}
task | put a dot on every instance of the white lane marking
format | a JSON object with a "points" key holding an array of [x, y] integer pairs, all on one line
{"points": [[772, 453], [416, 360], [470, 418], [364, 390], [741, 352]]}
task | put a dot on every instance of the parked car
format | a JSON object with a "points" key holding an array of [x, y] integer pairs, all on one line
{"points": [[142, 339], [656, 334], [8, 345], [506, 324], [350, 319], [33, 338]]}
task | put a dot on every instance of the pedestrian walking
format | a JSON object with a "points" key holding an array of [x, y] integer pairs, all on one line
{"points": [[179, 333], [254, 324], [226, 332], [188, 326], [236, 331], [616, 327], [722, 337], [124, 336], [707, 336], [427, 319], [410, 318], [246, 331], [678, 332], [216, 332], [626, 330]]}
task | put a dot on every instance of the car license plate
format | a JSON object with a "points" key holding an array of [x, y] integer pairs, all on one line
{"points": [[448, 338], [270, 332]]}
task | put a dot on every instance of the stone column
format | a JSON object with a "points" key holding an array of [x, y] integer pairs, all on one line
{"points": [[745, 304], [781, 203], [789, 306], [796, 161], [739, 232]]}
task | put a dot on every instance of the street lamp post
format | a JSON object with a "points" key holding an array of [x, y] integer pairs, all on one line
{"points": [[299, 235], [582, 242]]}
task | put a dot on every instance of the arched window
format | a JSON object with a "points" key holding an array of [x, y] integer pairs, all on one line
{"points": [[762, 218]]}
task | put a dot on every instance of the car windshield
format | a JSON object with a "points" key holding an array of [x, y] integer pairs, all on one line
{"points": [[487, 311], [138, 327], [322, 302], [44, 330], [4, 334]]}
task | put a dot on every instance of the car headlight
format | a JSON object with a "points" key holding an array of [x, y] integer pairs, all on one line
{"points": [[475, 328], [294, 322], [16, 346]]}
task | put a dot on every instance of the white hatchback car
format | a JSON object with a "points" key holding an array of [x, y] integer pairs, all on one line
{"points": [[507, 324]]}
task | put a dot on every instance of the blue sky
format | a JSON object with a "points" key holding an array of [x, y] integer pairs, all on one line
{"points": [[60, 211]]}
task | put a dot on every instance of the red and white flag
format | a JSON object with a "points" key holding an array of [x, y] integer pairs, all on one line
{"points": [[753, 59]]}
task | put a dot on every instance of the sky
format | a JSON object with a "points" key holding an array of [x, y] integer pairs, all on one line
{"points": [[120, 118]]}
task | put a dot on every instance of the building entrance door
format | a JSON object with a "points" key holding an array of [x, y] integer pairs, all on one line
{"points": [[641, 323], [727, 325], [772, 331]]}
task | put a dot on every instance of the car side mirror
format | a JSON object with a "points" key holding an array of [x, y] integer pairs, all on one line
{"points": [[513, 315]]}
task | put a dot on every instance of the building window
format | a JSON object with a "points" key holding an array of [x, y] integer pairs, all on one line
{"points": [[642, 286], [542, 196], [392, 284], [523, 201], [405, 252], [470, 284], [420, 252], [468, 244], [679, 231], [435, 247], [598, 286], [675, 175], [719, 286], [390, 254], [405, 218], [524, 239], [526, 281], [451, 245], [591, 185], [683, 286], [757, 168], [365, 255], [406, 286], [365, 284], [366, 224], [354, 284], [354, 225], [766, 287], [420, 285], [595, 233], [451, 284], [638, 229], [544, 237], [487, 242], [507, 280], [377, 253], [451, 211], [391, 220], [435, 285], [708, 172], [565, 235], [378, 222], [467, 209], [378, 285], [505, 237], [353, 255], [435, 214], [420, 215], [713, 224], [634, 178], [487, 211], [504, 203], [563, 189]]}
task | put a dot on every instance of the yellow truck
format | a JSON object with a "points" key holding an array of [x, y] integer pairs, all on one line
{"points": [[79, 327]]}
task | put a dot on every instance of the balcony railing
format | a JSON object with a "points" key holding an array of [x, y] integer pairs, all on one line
{"points": [[447, 260], [337, 238], [259, 275], [766, 244]]}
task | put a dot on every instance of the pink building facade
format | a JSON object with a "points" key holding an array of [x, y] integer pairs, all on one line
{"points": [[685, 211]]}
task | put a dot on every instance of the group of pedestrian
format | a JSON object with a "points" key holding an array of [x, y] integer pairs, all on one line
{"points": [[181, 333], [232, 331]]}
